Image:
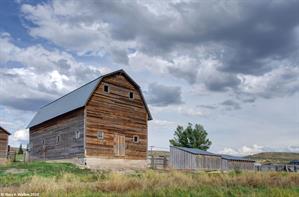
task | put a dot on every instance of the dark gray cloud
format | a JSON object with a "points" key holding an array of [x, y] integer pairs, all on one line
{"points": [[161, 95], [25, 104], [230, 105], [189, 75], [245, 37], [256, 32], [221, 82]]}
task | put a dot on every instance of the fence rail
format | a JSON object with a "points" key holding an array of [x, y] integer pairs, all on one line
{"points": [[278, 167], [11, 156], [157, 162]]}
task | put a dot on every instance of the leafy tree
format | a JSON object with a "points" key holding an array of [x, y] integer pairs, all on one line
{"points": [[20, 150], [191, 137]]}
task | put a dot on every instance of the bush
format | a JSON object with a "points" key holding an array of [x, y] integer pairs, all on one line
{"points": [[20, 152]]}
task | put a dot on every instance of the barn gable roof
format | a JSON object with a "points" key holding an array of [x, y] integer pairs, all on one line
{"points": [[76, 99], [196, 151], [5, 131]]}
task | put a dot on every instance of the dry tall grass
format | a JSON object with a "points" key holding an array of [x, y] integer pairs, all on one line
{"points": [[152, 181]]}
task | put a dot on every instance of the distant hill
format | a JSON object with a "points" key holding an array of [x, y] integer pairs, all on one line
{"points": [[274, 157], [158, 153]]}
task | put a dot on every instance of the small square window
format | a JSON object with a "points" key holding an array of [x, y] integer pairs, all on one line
{"points": [[106, 88], [136, 139], [100, 135], [57, 139], [131, 95]]}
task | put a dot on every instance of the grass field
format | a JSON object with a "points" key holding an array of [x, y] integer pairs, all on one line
{"points": [[57, 179]]}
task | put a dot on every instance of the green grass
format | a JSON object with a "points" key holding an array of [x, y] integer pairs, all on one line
{"points": [[64, 179], [42, 169], [19, 157]]}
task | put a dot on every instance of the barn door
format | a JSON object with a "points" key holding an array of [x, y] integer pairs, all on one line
{"points": [[119, 145]]}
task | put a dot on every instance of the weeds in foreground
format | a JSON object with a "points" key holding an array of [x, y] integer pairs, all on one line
{"points": [[70, 180]]}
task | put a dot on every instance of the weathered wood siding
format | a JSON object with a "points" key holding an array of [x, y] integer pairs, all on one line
{"points": [[64, 126], [207, 162], [115, 114], [3, 143], [180, 159], [237, 165]]}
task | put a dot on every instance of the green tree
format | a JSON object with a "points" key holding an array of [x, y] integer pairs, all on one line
{"points": [[20, 150], [191, 137]]}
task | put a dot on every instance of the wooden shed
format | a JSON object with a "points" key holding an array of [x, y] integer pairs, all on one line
{"points": [[193, 159], [236, 163], [102, 124], [3, 144], [196, 159]]}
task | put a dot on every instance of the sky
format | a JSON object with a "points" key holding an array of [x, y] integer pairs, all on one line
{"points": [[232, 66]]}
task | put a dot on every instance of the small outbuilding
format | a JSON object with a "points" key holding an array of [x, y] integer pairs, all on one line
{"points": [[236, 163], [3, 144], [195, 159]]}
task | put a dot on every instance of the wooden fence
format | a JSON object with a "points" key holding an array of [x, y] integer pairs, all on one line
{"points": [[157, 162], [11, 156], [278, 167]]}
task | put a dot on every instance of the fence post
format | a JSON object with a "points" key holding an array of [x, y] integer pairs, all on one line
{"points": [[164, 162], [153, 162]]}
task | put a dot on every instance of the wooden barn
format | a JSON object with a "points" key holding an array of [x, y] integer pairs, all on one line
{"points": [[196, 159], [193, 159], [102, 124], [236, 163], [3, 144]]}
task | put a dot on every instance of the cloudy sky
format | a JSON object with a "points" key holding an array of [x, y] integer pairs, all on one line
{"points": [[232, 66]]}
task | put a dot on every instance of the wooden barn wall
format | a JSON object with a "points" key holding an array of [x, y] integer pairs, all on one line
{"points": [[224, 164], [239, 165], [66, 127], [3, 144], [182, 160], [114, 113], [207, 162]]}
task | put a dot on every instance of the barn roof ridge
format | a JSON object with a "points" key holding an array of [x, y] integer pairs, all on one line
{"points": [[70, 92], [76, 99], [5, 130]]}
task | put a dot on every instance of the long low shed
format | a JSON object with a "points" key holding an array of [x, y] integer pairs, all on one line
{"points": [[236, 163], [193, 159], [196, 159]]}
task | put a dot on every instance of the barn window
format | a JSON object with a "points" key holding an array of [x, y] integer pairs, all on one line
{"points": [[58, 139], [100, 135], [44, 141], [106, 88], [136, 139], [77, 134], [131, 95]]}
